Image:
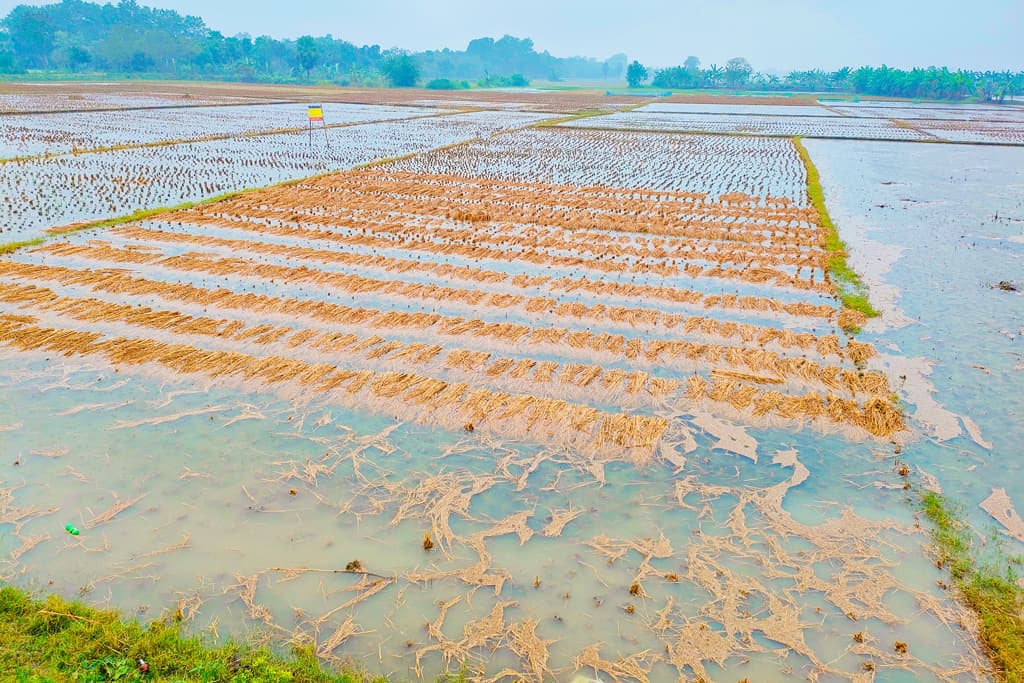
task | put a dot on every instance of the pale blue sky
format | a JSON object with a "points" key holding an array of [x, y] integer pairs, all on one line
{"points": [[774, 35]]}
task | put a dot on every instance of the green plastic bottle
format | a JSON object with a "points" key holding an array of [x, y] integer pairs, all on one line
{"points": [[72, 529]]}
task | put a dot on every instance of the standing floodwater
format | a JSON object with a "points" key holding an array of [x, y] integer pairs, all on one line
{"points": [[539, 402]]}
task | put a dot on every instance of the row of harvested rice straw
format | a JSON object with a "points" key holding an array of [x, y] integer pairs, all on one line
{"points": [[380, 221], [480, 275], [878, 416], [545, 203], [386, 232], [116, 281], [356, 284], [94, 310], [431, 397], [757, 275], [765, 239], [332, 343]]}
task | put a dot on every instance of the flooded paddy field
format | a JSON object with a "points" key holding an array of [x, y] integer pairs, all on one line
{"points": [[50, 134], [20, 99], [808, 126], [942, 229], [549, 401], [48, 192], [931, 110], [738, 109], [759, 167], [985, 124]]}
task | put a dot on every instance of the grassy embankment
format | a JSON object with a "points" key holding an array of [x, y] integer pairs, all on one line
{"points": [[990, 589], [583, 114], [588, 113], [851, 290], [57, 640], [12, 247]]}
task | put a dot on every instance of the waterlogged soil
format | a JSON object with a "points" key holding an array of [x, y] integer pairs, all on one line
{"points": [[935, 229]]}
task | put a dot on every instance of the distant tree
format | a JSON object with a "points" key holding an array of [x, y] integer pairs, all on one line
{"points": [[8, 63], [118, 47], [307, 53], [713, 75], [244, 73], [840, 79], [141, 62], [364, 78], [400, 69], [616, 66], [737, 72], [446, 84], [636, 73], [480, 46], [758, 81], [124, 36], [513, 81], [676, 77], [814, 80], [32, 34], [77, 57]]}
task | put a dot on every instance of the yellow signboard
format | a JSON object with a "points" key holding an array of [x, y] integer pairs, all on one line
{"points": [[316, 112]]}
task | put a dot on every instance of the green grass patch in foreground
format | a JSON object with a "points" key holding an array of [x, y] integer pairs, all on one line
{"points": [[852, 291], [56, 640], [990, 589]]}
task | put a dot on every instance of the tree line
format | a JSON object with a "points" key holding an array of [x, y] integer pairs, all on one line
{"points": [[75, 36], [930, 83]]}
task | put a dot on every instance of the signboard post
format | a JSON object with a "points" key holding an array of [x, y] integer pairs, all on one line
{"points": [[315, 113]]}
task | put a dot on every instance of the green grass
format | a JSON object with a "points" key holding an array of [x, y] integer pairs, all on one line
{"points": [[852, 292], [990, 589], [53, 639], [12, 247], [140, 215]]}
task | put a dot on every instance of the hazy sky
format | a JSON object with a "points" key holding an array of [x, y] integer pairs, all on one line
{"points": [[778, 35]]}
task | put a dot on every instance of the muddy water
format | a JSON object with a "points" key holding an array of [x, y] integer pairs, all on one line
{"points": [[783, 588], [936, 228]]}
